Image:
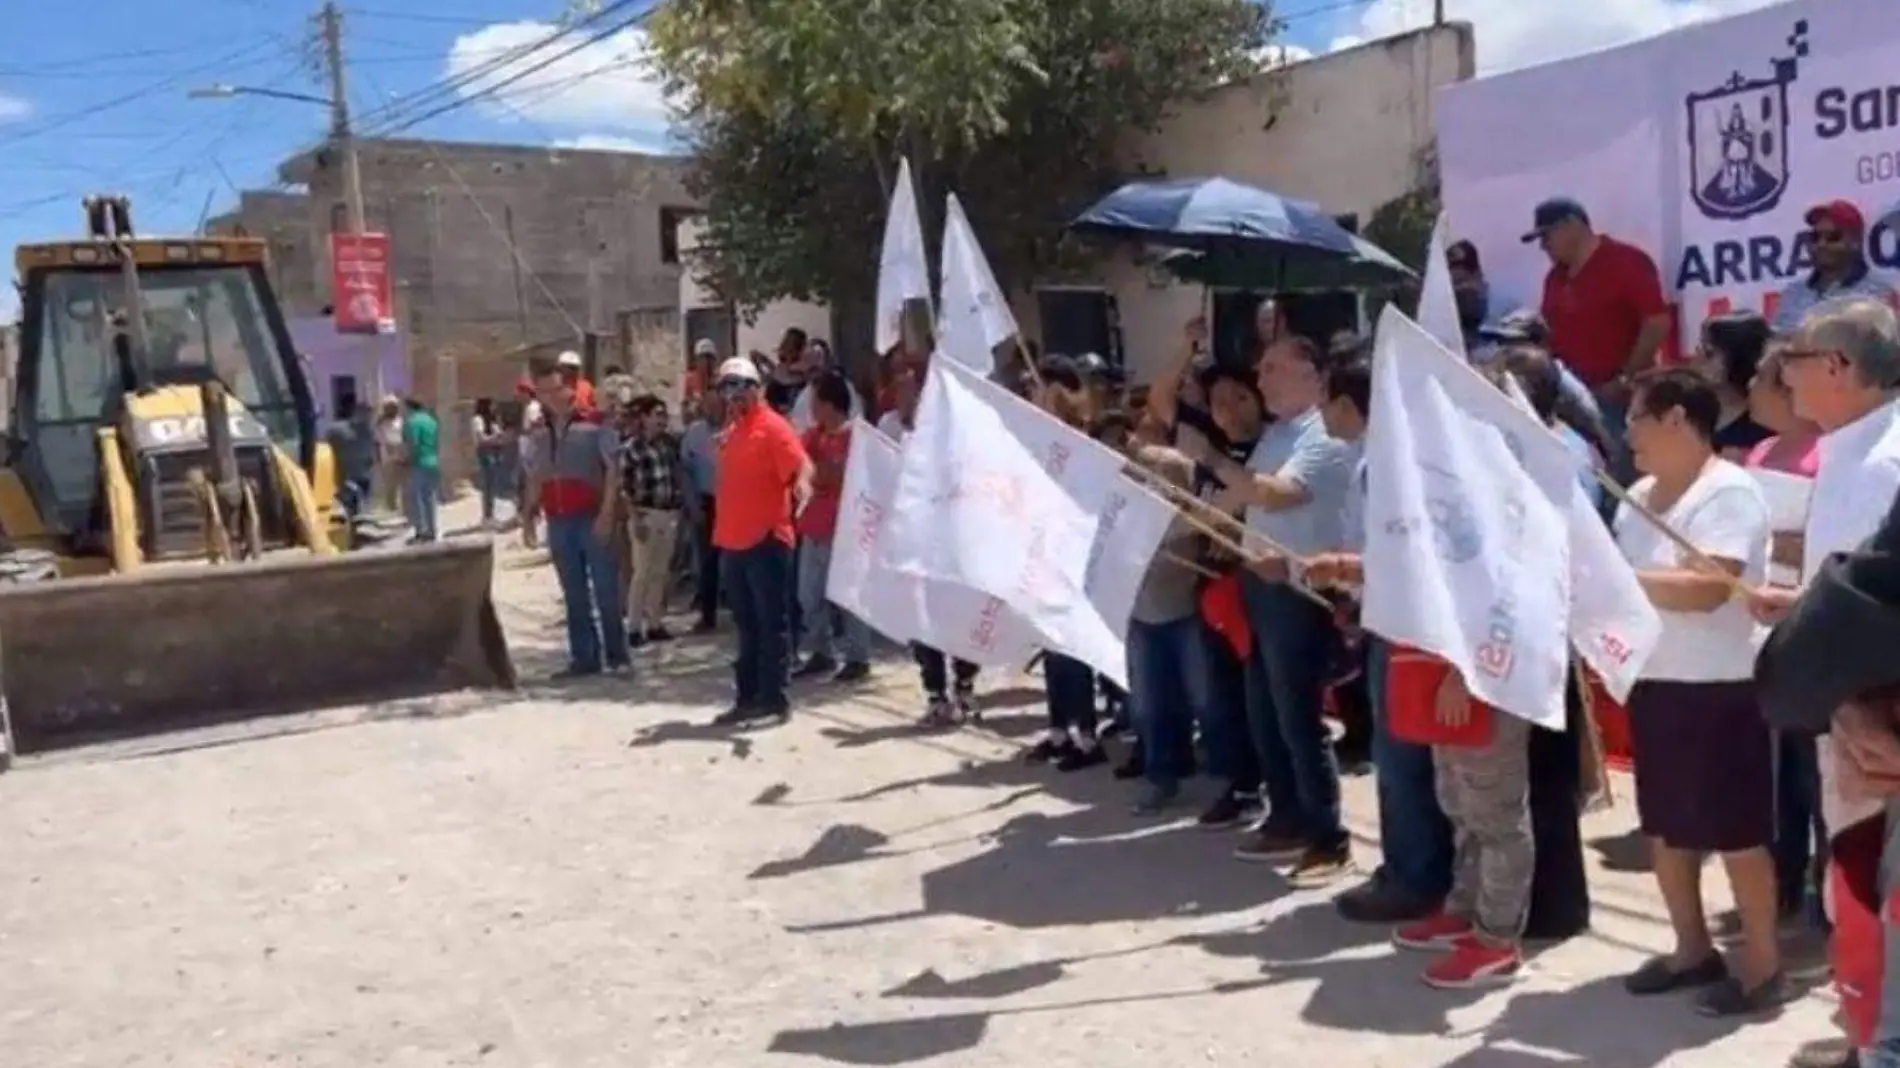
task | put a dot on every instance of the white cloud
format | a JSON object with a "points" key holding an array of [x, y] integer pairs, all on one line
{"points": [[1521, 33], [652, 145], [14, 108], [607, 85]]}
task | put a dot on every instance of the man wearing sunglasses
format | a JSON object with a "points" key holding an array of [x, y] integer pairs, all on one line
{"points": [[1837, 234], [1843, 372], [764, 480], [1604, 306]]}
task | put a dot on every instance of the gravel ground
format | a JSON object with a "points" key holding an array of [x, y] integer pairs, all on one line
{"points": [[590, 876]]}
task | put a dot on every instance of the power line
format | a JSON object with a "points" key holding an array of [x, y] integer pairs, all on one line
{"points": [[56, 122], [168, 183], [1323, 9], [495, 88], [452, 89], [89, 65], [448, 87], [411, 16], [502, 232]]}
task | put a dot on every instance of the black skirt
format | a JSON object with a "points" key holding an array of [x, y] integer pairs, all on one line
{"points": [[1705, 765]]}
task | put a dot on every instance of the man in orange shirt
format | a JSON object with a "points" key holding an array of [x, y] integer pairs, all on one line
{"points": [[571, 369], [765, 480]]}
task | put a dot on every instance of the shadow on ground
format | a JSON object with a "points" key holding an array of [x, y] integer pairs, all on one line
{"points": [[919, 1038], [1026, 878]]}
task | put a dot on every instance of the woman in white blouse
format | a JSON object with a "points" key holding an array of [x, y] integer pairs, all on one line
{"points": [[1704, 757]]}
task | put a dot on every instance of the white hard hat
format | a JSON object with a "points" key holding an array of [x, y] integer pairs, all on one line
{"points": [[739, 367], [705, 347], [570, 358]]}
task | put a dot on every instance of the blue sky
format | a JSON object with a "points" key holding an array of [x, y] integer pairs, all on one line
{"points": [[99, 103]]}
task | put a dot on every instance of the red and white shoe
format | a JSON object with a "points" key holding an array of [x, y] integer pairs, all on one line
{"points": [[1439, 931], [1472, 963]]}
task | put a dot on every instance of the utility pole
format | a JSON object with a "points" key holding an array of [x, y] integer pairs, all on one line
{"points": [[1438, 12], [330, 29], [331, 21]]}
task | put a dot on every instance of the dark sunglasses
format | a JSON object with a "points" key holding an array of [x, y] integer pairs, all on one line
{"points": [[735, 385], [1828, 237]]}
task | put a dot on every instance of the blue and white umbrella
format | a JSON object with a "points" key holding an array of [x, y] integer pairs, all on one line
{"points": [[1214, 214]]}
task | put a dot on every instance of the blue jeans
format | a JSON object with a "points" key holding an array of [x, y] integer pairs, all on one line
{"points": [[1286, 680], [424, 482], [819, 616], [490, 477], [758, 585], [1070, 686], [1413, 831], [590, 584], [1226, 740], [1167, 694]]}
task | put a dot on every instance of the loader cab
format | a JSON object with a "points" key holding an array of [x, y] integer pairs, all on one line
{"points": [[209, 312]]}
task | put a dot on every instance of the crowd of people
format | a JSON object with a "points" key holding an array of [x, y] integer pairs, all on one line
{"points": [[1235, 668]]}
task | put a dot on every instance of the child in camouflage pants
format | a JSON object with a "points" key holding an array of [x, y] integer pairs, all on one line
{"points": [[1485, 792]]}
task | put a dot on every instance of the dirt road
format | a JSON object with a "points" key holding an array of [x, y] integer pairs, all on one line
{"points": [[512, 883]]}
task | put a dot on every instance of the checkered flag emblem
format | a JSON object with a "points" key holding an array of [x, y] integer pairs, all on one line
{"points": [[1798, 40]]}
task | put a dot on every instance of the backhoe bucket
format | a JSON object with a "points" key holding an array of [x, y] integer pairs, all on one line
{"points": [[91, 658]]}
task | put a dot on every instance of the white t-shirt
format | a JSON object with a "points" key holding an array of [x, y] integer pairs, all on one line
{"points": [[891, 425], [531, 420], [1723, 514]]}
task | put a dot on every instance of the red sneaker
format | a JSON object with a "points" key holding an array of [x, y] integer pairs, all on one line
{"points": [[1440, 930], [1472, 963]]}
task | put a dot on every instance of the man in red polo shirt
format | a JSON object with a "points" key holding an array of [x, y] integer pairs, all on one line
{"points": [[1603, 303], [764, 481]]}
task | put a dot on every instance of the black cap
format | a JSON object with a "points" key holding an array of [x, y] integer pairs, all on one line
{"points": [[1522, 325], [1463, 255], [1094, 368], [1553, 212], [1060, 370]]}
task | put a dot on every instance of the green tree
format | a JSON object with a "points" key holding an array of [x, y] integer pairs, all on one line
{"points": [[799, 110], [1403, 227]]}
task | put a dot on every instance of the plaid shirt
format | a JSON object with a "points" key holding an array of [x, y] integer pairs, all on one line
{"points": [[651, 472]]}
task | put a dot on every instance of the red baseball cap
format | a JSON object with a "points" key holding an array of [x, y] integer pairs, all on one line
{"points": [[1841, 213]]}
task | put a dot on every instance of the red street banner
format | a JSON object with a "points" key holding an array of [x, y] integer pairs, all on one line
{"points": [[360, 288]]}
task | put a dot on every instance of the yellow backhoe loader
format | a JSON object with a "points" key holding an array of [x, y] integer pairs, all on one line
{"points": [[168, 510]]}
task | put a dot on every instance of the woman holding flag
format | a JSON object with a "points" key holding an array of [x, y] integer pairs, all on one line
{"points": [[1704, 756]]}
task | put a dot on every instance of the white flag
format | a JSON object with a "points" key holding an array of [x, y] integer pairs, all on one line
{"points": [[1437, 302], [903, 268], [975, 318], [996, 496], [1613, 626], [1134, 522], [1467, 538], [960, 622]]}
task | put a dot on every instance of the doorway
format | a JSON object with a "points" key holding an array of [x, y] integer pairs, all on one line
{"points": [[1081, 319]]}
